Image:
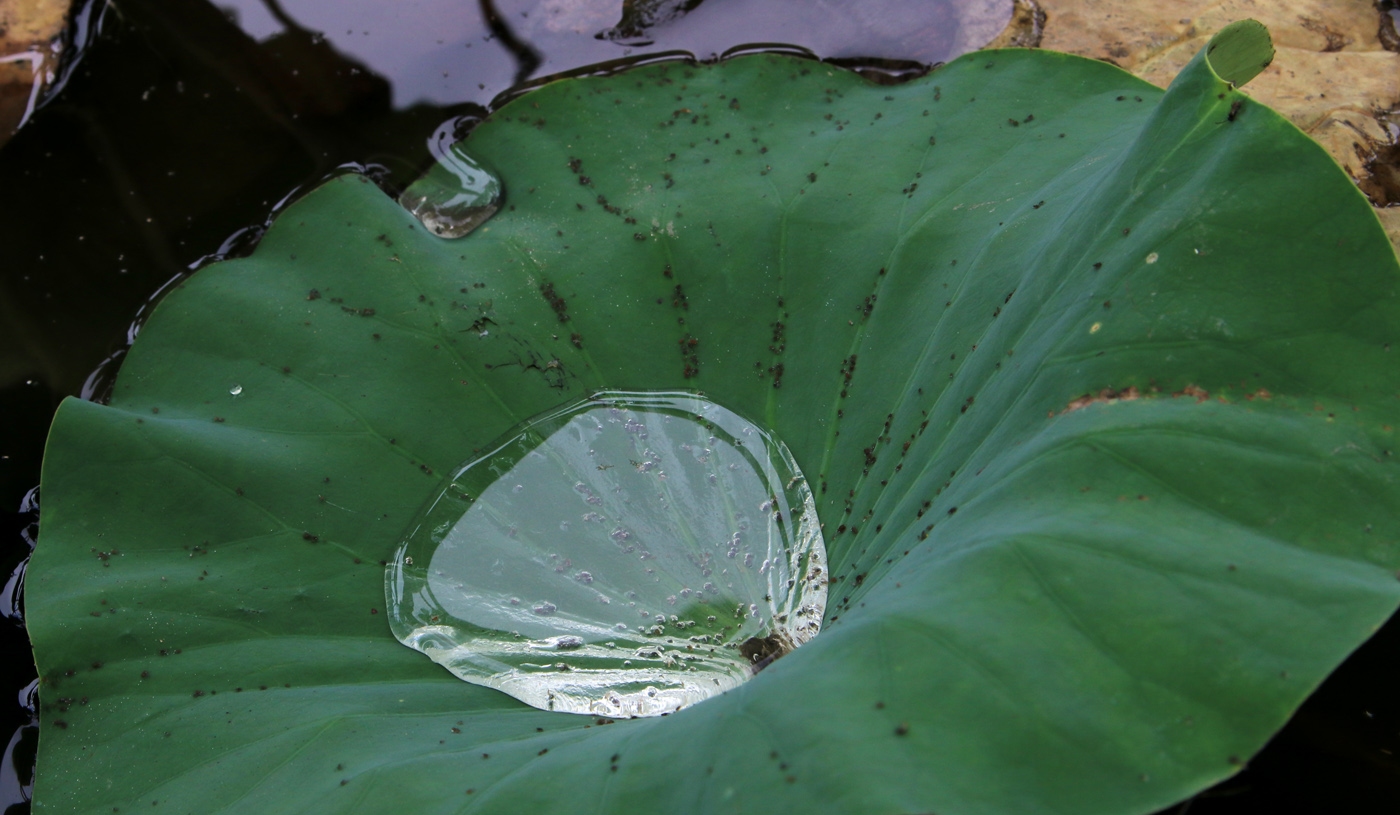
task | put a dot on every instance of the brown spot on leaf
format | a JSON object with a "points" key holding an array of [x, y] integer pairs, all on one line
{"points": [[1105, 396]]}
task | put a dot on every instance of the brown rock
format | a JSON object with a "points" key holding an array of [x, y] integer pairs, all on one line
{"points": [[29, 31]]}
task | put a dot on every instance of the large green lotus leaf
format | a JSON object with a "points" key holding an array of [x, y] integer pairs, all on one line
{"points": [[1093, 382]]}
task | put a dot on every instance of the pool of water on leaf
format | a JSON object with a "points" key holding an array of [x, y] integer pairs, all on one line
{"points": [[626, 555]]}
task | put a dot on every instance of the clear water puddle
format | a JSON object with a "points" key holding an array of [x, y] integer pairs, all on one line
{"points": [[627, 555], [457, 194]]}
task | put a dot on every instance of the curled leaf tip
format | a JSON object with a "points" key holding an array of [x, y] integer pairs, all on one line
{"points": [[1240, 51]]}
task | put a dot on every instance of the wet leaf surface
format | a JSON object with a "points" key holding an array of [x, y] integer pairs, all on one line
{"points": [[1100, 430]]}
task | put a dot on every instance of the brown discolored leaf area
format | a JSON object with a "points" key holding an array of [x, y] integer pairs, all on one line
{"points": [[1105, 396], [1336, 74], [29, 32]]}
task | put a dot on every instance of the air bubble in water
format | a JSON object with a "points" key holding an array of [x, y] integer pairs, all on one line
{"points": [[490, 586]]}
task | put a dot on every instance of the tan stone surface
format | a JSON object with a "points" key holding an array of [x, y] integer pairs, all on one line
{"points": [[1390, 219], [1025, 28], [32, 22], [27, 27]]}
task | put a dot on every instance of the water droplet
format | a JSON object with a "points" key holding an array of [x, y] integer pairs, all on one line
{"points": [[510, 561], [235, 390], [455, 196]]}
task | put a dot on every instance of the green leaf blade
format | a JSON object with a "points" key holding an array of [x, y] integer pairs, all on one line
{"points": [[1034, 606]]}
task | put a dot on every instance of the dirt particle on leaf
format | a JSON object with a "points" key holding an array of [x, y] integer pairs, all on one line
{"points": [[555, 301], [690, 358]]}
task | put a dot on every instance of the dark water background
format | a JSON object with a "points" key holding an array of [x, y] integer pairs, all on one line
{"points": [[176, 127]]}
